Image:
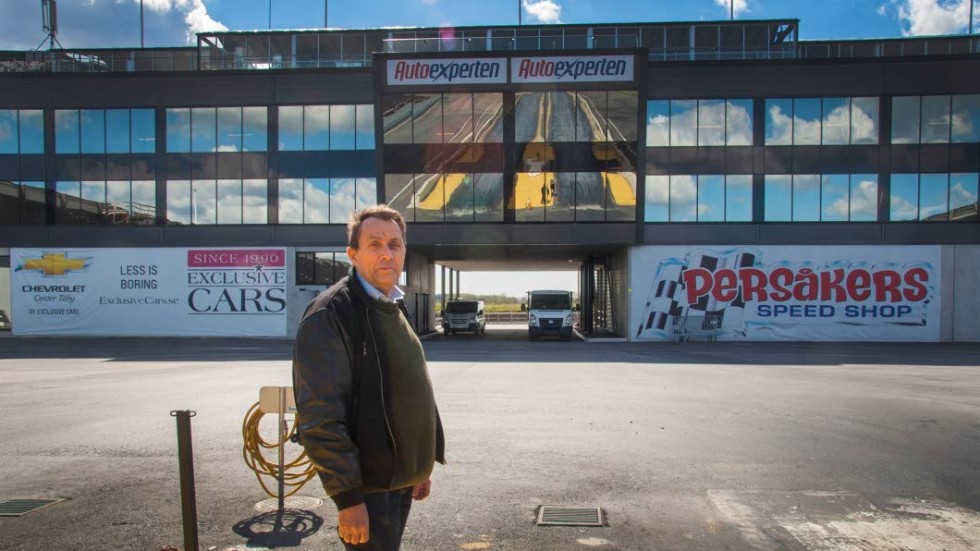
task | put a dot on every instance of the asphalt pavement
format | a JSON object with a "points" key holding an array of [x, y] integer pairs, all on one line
{"points": [[693, 446]]}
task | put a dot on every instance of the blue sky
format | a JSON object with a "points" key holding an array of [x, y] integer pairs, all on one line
{"points": [[115, 23]]}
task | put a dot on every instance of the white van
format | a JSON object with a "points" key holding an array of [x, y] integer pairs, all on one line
{"points": [[549, 313], [464, 315]]}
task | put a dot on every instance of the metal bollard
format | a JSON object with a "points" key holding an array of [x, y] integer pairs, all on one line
{"points": [[188, 498]]}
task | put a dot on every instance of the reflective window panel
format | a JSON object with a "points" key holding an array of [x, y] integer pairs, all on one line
{"points": [[178, 202], [806, 198], [683, 198], [738, 199], [203, 129], [904, 197], [365, 126], [31, 131], [66, 131], [934, 197], [178, 130], [657, 205], [934, 127], [342, 127], [966, 118], [905, 119], [834, 197], [658, 123], [779, 122], [864, 198], [779, 198], [290, 201]]}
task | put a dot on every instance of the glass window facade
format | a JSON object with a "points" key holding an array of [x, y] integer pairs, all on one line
{"points": [[96, 131], [443, 118], [821, 198], [712, 122], [577, 156], [22, 203], [934, 197], [323, 200], [326, 127], [112, 202], [321, 268], [699, 198], [936, 119], [208, 202], [454, 197], [21, 131], [822, 121], [221, 129]]}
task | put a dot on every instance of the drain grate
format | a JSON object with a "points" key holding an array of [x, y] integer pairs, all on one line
{"points": [[569, 516], [18, 507]]}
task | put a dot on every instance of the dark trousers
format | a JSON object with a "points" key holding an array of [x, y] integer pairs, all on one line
{"points": [[387, 515]]}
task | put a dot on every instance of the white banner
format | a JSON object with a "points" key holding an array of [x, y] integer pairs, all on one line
{"points": [[554, 69], [416, 72], [840, 293], [149, 292]]}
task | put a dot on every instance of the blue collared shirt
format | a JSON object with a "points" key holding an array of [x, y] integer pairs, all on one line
{"points": [[396, 293]]}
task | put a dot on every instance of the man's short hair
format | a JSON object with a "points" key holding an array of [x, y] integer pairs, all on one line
{"points": [[381, 211]]}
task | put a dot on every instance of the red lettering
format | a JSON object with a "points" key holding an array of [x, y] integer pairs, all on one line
{"points": [[698, 283], [830, 284], [753, 284], [886, 283], [806, 286], [400, 70], [781, 280], [525, 68], [859, 285], [914, 279], [726, 286]]}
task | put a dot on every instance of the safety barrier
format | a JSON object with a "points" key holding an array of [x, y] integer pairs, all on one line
{"points": [[691, 327]]}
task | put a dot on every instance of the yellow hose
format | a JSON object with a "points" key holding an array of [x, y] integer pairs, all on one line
{"points": [[296, 473]]}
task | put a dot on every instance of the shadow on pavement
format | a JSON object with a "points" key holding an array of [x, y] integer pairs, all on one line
{"points": [[285, 528]]}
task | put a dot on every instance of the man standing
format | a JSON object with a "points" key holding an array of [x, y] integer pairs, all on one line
{"points": [[366, 413]]}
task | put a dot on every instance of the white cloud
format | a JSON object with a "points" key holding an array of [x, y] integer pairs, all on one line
{"points": [[545, 11], [903, 209], [740, 6], [107, 23], [198, 21], [882, 10], [959, 195], [932, 17]]}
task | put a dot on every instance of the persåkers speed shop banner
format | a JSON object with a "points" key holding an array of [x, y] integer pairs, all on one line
{"points": [[839, 293]]}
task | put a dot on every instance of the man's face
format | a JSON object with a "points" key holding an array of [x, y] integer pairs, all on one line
{"points": [[380, 253]]}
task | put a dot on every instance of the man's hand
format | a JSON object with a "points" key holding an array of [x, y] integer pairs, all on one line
{"points": [[352, 524], [421, 490]]}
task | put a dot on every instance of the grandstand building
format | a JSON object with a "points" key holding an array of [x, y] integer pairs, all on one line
{"points": [[707, 179]]}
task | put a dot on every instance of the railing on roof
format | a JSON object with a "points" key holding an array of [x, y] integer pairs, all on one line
{"points": [[891, 47], [100, 61], [664, 42]]}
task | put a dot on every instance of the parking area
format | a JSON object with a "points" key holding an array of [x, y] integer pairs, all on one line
{"points": [[694, 446]]}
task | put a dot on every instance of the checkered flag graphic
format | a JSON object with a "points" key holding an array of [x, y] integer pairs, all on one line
{"points": [[667, 295]]}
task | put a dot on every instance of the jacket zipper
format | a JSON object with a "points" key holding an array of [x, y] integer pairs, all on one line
{"points": [[384, 410]]}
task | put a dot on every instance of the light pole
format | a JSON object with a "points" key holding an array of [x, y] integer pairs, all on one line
{"points": [[141, 25], [971, 17], [731, 9], [519, 12]]}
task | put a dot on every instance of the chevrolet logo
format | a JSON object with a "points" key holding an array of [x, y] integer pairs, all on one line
{"points": [[54, 264]]}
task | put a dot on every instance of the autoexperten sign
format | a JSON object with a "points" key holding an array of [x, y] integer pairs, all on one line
{"points": [[414, 72]]}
